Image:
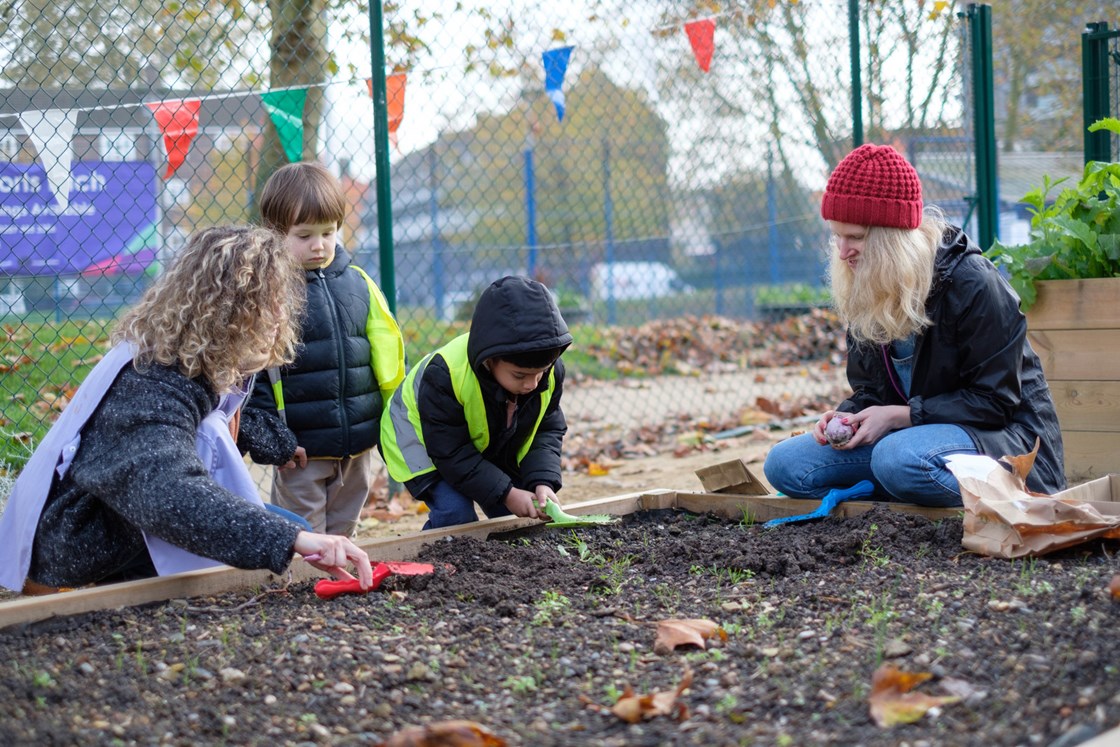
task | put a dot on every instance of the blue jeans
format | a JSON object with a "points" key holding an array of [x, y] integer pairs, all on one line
{"points": [[447, 507], [906, 465]]}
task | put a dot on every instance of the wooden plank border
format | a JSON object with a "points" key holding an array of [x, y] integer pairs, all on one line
{"points": [[211, 581]]}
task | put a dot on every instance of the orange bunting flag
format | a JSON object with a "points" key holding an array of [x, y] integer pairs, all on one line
{"points": [[394, 101], [178, 121], [701, 35]]}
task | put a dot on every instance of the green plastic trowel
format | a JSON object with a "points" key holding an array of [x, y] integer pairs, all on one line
{"points": [[562, 519]]}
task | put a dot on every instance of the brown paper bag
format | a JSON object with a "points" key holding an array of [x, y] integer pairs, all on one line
{"points": [[1003, 520]]}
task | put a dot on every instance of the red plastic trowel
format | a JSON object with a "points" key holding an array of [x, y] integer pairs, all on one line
{"points": [[329, 588]]}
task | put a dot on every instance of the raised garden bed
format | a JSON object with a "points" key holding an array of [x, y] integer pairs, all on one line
{"points": [[539, 630]]}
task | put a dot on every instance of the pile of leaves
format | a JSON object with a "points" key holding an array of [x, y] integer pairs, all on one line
{"points": [[713, 344]]}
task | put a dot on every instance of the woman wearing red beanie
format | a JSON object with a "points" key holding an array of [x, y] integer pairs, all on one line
{"points": [[938, 357]]}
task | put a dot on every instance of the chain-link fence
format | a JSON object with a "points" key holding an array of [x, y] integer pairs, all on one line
{"points": [[682, 181]]}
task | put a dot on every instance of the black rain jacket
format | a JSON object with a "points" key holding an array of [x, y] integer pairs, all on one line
{"points": [[512, 316], [974, 367]]}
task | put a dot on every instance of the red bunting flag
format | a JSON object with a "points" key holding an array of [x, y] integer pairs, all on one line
{"points": [[701, 35], [178, 121], [394, 101]]}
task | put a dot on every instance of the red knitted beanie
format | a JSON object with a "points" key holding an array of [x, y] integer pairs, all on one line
{"points": [[874, 186]]}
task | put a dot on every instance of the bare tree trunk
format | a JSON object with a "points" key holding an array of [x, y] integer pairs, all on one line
{"points": [[299, 58]]}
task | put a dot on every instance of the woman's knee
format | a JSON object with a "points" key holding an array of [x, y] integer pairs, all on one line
{"points": [[790, 464], [908, 472], [779, 465]]}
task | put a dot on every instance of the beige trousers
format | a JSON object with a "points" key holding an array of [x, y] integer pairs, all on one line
{"points": [[329, 493]]}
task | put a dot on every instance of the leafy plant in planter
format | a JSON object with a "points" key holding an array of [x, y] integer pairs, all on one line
{"points": [[1075, 236]]}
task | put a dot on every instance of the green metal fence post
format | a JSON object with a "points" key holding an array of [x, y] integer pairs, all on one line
{"points": [[1095, 101], [857, 84], [381, 155], [984, 125]]}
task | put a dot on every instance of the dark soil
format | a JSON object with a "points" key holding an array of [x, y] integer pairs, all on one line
{"points": [[532, 632]]}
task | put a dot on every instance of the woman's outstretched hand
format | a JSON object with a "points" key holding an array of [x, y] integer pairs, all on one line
{"points": [[332, 553]]}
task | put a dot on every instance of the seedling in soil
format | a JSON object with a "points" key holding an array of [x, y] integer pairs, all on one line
{"points": [[879, 615], [748, 518], [521, 685], [667, 595], [734, 576], [726, 704], [551, 603], [615, 577], [584, 552], [873, 554], [1028, 586]]}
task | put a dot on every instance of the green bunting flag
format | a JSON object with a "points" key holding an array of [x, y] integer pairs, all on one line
{"points": [[286, 109]]}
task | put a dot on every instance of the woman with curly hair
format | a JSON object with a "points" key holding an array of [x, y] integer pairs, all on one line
{"points": [[140, 475], [938, 357]]}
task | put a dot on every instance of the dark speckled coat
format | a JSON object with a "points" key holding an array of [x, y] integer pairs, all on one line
{"points": [[137, 470]]}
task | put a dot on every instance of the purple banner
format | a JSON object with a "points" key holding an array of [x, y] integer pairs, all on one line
{"points": [[110, 221]]}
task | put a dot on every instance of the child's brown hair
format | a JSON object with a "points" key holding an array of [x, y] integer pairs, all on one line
{"points": [[302, 193]]}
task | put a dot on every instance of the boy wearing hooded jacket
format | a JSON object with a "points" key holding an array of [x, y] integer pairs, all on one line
{"points": [[479, 420]]}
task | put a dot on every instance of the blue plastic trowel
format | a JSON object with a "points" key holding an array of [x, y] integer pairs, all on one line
{"points": [[832, 498]]}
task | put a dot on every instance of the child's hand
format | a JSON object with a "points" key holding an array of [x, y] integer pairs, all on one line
{"points": [[524, 504], [299, 459], [544, 495], [332, 552]]}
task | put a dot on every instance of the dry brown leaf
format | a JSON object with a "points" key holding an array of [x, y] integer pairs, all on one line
{"points": [[455, 733], [1022, 465], [633, 708], [892, 701], [674, 633]]}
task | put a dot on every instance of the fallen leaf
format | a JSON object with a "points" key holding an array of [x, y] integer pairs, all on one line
{"points": [[597, 469], [455, 733], [633, 708], [1022, 465], [674, 633], [892, 701], [1114, 587]]}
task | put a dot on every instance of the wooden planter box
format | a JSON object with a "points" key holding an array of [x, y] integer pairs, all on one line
{"points": [[1075, 329]]}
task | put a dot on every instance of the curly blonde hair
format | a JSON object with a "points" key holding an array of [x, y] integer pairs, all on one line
{"points": [[232, 295], [884, 298]]}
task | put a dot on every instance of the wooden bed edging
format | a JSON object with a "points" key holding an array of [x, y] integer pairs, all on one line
{"points": [[211, 581]]}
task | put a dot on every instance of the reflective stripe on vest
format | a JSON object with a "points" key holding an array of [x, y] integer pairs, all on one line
{"points": [[402, 437], [277, 392]]}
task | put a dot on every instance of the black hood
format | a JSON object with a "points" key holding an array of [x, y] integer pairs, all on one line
{"points": [[515, 315], [955, 246]]}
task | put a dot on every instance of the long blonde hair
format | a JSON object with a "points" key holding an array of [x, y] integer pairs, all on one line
{"points": [[884, 298], [231, 294]]}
